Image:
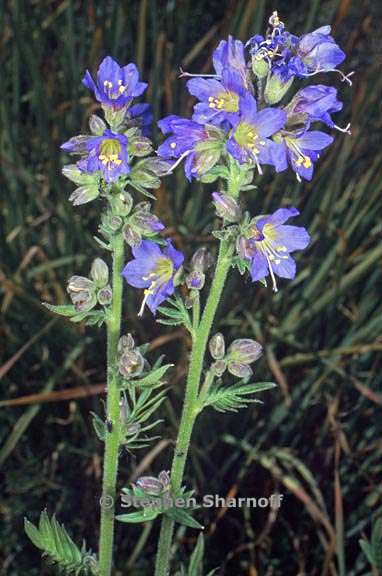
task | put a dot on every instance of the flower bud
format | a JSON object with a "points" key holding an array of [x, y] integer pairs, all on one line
{"points": [[99, 272], [115, 223], [217, 346], [245, 351], [239, 370], [245, 248], [83, 301], [150, 485], [164, 477], [97, 125], [131, 236], [195, 280], [147, 222], [202, 260], [219, 367], [84, 194], [105, 295], [126, 343], [276, 88], [114, 116], [140, 145], [122, 203], [260, 67], [131, 364], [79, 283], [226, 207]]}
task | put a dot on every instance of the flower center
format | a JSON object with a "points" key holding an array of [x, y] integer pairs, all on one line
{"points": [[114, 92], [247, 137], [299, 157], [228, 101], [161, 274], [110, 150]]}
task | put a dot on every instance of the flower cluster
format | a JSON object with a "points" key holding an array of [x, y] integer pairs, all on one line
{"points": [[106, 153], [239, 115]]}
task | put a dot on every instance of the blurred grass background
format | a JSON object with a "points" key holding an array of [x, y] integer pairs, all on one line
{"points": [[317, 438]]}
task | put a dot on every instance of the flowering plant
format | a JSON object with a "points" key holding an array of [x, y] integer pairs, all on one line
{"points": [[245, 119]]}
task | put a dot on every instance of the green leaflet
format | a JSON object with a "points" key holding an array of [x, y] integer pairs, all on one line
{"points": [[373, 550], [146, 515], [59, 549], [148, 380]]}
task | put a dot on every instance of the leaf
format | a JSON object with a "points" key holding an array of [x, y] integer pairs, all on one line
{"points": [[367, 550], [99, 426], [183, 517], [145, 515], [59, 549], [177, 314], [196, 561], [232, 398], [148, 380], [67, 310]]}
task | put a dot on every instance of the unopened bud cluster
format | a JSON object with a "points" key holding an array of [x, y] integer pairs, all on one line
{"points": [[240, 354], [85, 293], [131, 361], [201, 261], [227, 207]]}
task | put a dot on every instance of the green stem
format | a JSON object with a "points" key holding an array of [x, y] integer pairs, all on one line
{"points": [[190, 406], [110, 466]]}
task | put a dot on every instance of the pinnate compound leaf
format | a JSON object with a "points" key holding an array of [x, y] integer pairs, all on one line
{"points": [[232, 398], [59, 549]]}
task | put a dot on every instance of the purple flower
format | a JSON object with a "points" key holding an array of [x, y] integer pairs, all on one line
{"points": [[153, 269], [300, 151], [270, 243], [201, 146], [230, 54], [219, 99], [318, 51], [106, 153], [115, 86], [249, 141], [314, 104]]}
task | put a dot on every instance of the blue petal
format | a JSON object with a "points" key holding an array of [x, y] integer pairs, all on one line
{"points": [[314, 140], [259, 267], [269, 121], [286, 268], [292, 237], [203, 88]]}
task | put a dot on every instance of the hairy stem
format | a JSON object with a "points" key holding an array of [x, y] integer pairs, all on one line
{"points": [[110, 465], [190, 406]]}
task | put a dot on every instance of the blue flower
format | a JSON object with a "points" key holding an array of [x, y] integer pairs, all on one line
{"points": [[200, 145], [115, 86], [219, 98], [269, 244], [154, 270], [249, 141], [319, 52], [299, 150], [230, 54], [314, 104], [106, 153]]}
